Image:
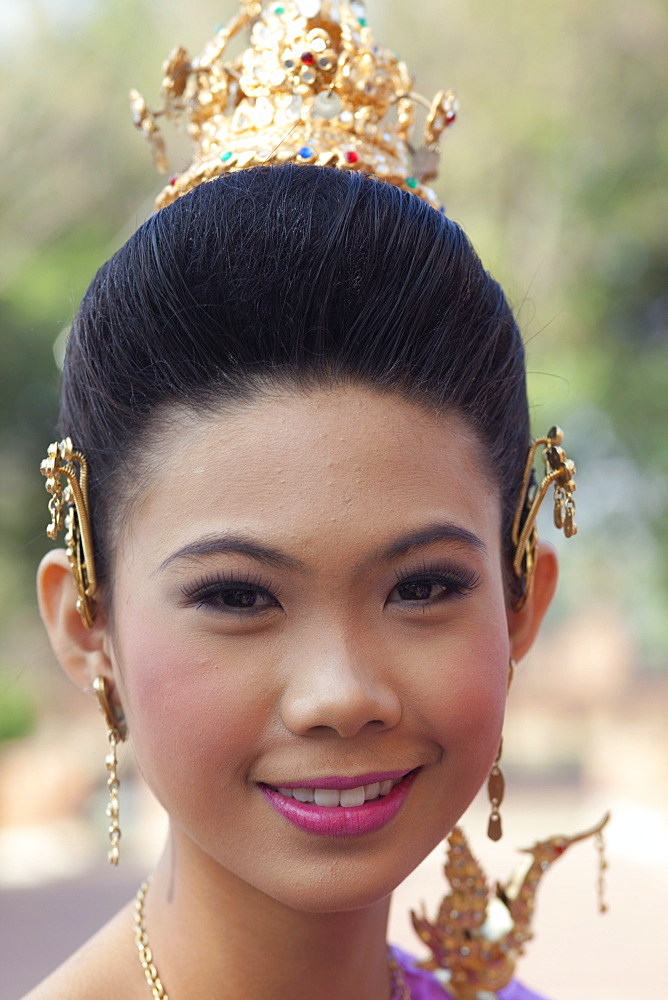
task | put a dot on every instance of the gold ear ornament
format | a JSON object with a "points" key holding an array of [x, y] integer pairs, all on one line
{"points": [[496, 783], [66, 472], [496, 787], [478, 936], [116, 733], [560, 473], [314, 87]]}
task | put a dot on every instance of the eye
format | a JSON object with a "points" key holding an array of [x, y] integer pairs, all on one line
{"points": [[433, 585], [418, 590], [241, 596]]}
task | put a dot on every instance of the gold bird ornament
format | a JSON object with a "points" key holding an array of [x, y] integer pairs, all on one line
{"points": [[476, 940]]}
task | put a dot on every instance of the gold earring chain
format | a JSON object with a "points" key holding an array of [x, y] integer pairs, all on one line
{"points": [[602, 868], [113, 806]]}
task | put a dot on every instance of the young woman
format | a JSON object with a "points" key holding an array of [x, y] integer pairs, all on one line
{"points": [[298, 411]]}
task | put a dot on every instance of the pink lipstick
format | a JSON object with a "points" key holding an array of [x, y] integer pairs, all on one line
{"points": [[341, 820]]}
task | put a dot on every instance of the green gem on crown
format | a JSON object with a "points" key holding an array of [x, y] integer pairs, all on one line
{"points": [[412, 182], [226, 157]]}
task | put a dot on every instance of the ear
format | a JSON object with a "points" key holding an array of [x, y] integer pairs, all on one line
{"points": [[523, 625], [82, 652]]}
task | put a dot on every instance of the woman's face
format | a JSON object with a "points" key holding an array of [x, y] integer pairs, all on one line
{"points": [[311, 589]]}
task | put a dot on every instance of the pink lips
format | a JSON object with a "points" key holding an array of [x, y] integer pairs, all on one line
{"points": [[342, 821]]}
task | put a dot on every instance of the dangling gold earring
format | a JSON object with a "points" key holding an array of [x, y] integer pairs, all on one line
{"points": [[496, 784], [602, 867], [116, 733]]}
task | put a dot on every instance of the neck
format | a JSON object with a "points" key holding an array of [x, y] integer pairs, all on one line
{"points": [[212, 934]]}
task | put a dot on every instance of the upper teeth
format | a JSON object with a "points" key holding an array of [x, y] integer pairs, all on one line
{"points": [[341, 797]]}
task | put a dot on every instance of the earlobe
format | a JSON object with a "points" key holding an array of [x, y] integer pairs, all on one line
{"points": [[80, 650], [523, 625]]}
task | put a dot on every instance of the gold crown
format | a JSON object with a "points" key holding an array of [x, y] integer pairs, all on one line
{"points": [[313, 88]]}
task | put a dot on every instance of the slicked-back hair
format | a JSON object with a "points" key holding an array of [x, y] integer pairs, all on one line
{"points": [[294, 276]]}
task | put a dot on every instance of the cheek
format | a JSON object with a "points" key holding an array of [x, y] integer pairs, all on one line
{"points": [[189, 712], [464, 699]]}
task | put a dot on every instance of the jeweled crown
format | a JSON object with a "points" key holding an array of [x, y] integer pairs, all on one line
{"points": [[313, 88]]}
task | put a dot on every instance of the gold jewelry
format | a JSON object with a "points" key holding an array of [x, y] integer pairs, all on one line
{"points": [[116, 733], [66, 472], [400, 988], [143, 947], [496, 784], [599, 840], [560, 473], [476, 941], [496, 787], [313, 88]]}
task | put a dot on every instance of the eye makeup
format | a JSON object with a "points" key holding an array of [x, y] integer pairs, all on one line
{"points": [[453, 576], [247, 593], [234, 592]]}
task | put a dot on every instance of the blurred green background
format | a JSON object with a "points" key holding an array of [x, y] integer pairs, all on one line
{"points": [[557, 168]]}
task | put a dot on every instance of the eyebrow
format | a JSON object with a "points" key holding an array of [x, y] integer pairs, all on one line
{"points": [[244, 545], [439, 531], [213, 545]]}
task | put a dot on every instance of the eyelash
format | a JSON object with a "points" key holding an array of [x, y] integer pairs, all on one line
{"points": [[203, 592], [460, 580], [457, 580]]}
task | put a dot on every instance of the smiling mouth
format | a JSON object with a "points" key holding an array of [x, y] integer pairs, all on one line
{"points": [[346, 797], [342, 811]]}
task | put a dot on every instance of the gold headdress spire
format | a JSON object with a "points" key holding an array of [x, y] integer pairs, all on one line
{"points": [[312, 88]]}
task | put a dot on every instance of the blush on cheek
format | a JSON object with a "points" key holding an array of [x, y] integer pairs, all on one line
{"points": [[474, 712], [178, 702], [467, 702]]}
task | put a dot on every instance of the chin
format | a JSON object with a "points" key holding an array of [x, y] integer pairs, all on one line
{"points": [[348, 879], [337, 895]]}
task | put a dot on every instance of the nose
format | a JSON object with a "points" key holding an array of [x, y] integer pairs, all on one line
{"points": [[340, 692]]}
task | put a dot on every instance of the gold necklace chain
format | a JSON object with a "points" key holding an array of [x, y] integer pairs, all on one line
{"points": [[143, 947], [400, 990]]}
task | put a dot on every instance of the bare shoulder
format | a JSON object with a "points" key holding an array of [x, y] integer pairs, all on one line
{"points": [[104, 968]]}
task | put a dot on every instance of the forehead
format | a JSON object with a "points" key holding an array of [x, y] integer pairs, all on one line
{"points": [[345, 465]]}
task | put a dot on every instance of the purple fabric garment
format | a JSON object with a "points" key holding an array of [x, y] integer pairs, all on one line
{"points": [[424, 986]]}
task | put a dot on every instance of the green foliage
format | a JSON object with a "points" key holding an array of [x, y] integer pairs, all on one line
{"points": [[17, 714]]}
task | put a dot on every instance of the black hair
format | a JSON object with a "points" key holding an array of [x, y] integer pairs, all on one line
{"points": [[294, 275]]}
